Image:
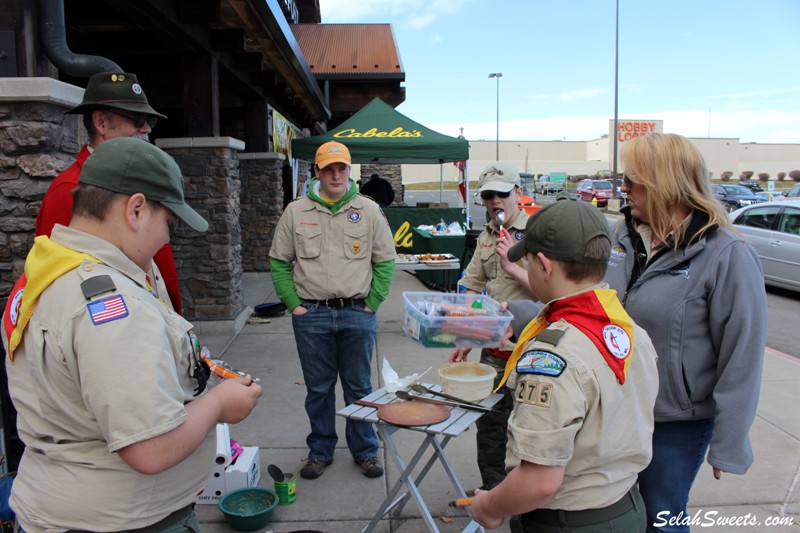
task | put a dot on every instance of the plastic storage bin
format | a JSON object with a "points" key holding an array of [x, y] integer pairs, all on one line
{"points": [[441, 320]]}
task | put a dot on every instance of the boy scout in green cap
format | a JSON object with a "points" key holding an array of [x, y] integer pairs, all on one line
{"points": [[332, 263], [106, 379], [584, 382]]}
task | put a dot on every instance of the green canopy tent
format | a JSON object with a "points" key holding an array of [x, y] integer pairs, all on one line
{"points": [[380, 134]]}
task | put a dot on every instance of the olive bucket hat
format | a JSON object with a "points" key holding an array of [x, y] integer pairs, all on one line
{"points": [[115, 90]]}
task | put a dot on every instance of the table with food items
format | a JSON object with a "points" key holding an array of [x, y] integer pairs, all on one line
{"points": [[444, 262], [428, 409]]}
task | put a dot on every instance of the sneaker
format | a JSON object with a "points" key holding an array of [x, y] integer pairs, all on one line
{"points": [[371, 467], [313, 468]]}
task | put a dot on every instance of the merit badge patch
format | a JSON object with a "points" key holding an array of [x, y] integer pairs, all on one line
{"points": [[519, 235], [107, 309], [354, 216], [617, 341], [542, 363], [355, 247], [137, 88]]}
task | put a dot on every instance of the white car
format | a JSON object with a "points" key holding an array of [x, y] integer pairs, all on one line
{"points": [[791, 194], [773, 229]]}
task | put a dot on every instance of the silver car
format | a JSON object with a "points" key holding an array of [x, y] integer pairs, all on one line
{"points": [[773, 229]]}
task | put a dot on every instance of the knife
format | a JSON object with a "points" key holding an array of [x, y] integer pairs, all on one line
{"points": [[404, 395]]}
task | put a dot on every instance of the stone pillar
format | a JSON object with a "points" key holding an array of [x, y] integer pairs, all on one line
{"points": [[210, 264], [390, 172], [261, 204], [37, 142]]}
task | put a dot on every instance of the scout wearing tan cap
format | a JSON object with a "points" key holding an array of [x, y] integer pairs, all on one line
{"points": [[106, 379], [114, 105], [499, 187], [332, 263], [584, 381]]}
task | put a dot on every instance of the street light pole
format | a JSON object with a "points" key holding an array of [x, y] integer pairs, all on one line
{"points": [[497, 76], [616, 102]]}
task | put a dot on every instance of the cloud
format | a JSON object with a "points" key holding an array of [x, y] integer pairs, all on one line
{"points": [[772, 126], [760, 93]]}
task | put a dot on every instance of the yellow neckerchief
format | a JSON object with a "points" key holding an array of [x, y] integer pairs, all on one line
{"points": [[46, 262]]}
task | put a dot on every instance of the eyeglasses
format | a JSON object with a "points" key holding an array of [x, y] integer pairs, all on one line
{"points": [[489, 195], [628, 182], [139, 119]]}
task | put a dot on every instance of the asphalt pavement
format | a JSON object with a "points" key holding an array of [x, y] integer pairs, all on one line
{"points": [[766, 499]]}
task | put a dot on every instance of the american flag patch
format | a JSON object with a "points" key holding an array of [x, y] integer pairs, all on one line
{"points": [[107, 309]]}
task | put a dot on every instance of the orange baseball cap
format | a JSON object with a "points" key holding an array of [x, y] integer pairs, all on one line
{"points": [[332, 152]]}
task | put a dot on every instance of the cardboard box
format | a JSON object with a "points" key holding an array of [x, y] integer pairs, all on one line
{"points": [[244, 472]]}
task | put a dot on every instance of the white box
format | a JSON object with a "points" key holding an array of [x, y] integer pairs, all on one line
{"points": [[244, 472]]}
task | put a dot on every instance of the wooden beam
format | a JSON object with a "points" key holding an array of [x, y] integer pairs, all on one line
{"points": [[229, 40], [201, 96], [199, 11]]}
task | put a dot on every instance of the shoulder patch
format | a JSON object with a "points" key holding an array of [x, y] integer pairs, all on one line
{"points": [[550, 336], [542, 363], [107, 309], [97, 285]]}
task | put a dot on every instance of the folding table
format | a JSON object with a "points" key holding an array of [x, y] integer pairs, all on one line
{"points": [[436, 438]]}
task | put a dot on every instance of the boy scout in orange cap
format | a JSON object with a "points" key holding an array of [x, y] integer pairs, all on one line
{"points": [[332, 263], [584, 383]]}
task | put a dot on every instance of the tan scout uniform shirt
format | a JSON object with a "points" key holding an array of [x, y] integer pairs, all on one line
{"points": [[484, 270], [584, 420], [85, 391], [334, 251]]}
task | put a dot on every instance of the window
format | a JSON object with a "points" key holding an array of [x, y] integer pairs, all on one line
{"points": [[790, 221], [760, 217]]}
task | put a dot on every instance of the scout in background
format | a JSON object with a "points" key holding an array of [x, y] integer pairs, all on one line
{"points": [[584, 383]]}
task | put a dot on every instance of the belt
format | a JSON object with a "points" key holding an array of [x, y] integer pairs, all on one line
{"points": [[587, 517], [165, 523], [338, 303]]}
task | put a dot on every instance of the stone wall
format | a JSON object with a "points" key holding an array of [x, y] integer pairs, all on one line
{"points": [[37, 142], [393, 173], [262, 206], [209, 264]]}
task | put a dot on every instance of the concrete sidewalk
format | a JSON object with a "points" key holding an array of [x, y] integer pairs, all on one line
{"points": [[344, 501]]}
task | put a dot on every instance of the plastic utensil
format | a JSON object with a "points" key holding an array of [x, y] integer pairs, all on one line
{"points": [[500, 217], [276, 473]]}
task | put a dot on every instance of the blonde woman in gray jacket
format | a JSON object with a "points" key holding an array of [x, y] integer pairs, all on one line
{"points": [[693, 284]]}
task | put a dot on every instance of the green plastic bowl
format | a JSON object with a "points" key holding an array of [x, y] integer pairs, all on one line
{"points": [[248, 509]]}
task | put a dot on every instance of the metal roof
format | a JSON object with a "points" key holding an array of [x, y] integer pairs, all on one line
{"points": [[350, 51]]}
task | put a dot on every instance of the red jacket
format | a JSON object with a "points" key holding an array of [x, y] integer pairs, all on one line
{"points": [[57, 209]]}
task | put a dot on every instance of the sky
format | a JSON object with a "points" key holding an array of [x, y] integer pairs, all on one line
{"points": [[707, 68]]}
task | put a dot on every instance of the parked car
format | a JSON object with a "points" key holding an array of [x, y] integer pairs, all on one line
{"points": [[735, 196], [791, 194], [768, 196], [773, 229], [600, 190], [752, 185]]}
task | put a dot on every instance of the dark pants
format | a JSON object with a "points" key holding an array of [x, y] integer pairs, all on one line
{"points": [[625, 516], [492, 434]]}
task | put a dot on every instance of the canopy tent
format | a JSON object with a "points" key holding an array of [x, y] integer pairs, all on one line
{"points": [[380, 134]]}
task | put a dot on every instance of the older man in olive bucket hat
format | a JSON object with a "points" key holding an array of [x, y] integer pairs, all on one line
{"points": [[114, 105]]}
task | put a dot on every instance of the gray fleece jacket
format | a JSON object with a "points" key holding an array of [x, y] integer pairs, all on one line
{"points": [[705, 310]]}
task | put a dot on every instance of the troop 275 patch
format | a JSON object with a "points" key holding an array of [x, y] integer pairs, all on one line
{"points": [[534, 393]]}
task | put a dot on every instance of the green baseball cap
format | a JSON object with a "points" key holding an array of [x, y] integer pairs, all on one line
{"points": [[115, 90], [561, 231], [128, 165]]}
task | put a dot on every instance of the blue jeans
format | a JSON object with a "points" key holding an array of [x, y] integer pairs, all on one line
{"points": [[679, 449], [335, 343]]}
